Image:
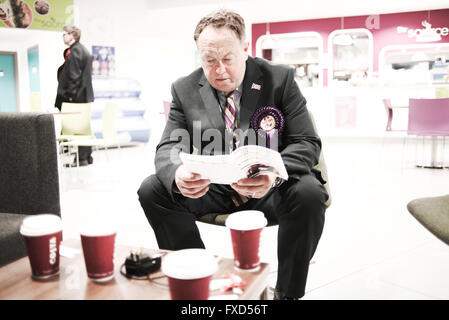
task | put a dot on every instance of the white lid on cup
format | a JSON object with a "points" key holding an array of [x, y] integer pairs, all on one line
{"points": [[188, 264], [246, 220], [41, 224]]}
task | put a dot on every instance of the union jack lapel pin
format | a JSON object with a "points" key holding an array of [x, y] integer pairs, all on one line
{"points": [[255, 86]]}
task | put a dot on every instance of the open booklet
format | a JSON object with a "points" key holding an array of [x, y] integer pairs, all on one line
{"points": [[244, 162]]}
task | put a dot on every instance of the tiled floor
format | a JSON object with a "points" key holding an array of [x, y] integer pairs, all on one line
{"points": [[371, 247]]}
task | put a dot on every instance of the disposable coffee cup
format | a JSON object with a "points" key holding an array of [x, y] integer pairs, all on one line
{"points": [[42, 234], [246, 227], [189, 272], [98, 243]]}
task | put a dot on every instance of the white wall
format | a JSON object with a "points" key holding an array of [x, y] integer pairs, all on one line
{"points": [[50, 57]]}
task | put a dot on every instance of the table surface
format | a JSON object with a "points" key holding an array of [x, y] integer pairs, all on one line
{"points": [[72, 282]]}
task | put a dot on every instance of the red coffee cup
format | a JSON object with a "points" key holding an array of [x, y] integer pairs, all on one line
{"points": [[189, 272], [98, 249], [246, 227], [42, 234]]}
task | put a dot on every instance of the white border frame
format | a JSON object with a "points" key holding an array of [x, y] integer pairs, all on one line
{"points": [[330, 50], [321, 63], [401, 47]]}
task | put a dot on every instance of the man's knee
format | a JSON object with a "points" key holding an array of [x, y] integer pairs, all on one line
{"points": [[149, 189], [308, 192]]}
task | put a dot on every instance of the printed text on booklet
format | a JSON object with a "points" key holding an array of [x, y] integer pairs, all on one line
{"points": [[244, 162]]}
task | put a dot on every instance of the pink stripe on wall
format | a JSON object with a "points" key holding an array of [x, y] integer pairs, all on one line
{"points": [[322, 26], [384, 33]]}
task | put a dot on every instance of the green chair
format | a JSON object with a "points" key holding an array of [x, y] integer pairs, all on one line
{"points": [[109, 133], [442, 92], [75, 121], [433, 214], [220, 218], [35, 102]]}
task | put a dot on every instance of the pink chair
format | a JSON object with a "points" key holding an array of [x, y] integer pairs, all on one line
{"points": [[429, 117], [387, 105], [166, 109], [389, 108]]}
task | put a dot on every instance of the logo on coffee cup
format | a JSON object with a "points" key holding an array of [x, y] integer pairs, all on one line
{"points": [[53, 250]]}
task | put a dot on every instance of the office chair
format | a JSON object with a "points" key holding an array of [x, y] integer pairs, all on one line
{"points": [[75, 121], [433, 214], [109, 133]]}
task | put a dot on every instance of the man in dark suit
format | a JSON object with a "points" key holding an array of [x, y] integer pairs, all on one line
{"points": [[173, 198], [75, 80]]}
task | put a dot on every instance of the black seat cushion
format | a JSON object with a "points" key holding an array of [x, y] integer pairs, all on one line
{"points": [[10, 237]]}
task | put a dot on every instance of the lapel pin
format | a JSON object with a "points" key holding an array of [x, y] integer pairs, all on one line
{"points": [[255, 86]]}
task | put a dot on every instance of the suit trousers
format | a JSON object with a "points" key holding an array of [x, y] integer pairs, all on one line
{"points": [[85, 153], [297, 205]]}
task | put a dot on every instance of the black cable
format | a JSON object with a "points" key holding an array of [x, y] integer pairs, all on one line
{"points": [[147, 277]]}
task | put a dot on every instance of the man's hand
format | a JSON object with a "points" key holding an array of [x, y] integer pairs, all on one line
{"points": [[256, 187], [191, 184]]}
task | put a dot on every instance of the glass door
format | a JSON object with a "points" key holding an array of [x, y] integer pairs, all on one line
{"points": [[34, 76], [8, 97]]}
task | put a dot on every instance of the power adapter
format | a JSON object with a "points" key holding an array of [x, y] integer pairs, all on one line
{"points": [[141, 264]]}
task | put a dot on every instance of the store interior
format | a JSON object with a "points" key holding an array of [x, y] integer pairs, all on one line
{"points": [[347, 59]]}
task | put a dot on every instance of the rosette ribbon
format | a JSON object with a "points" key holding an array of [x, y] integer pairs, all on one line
{"points": [[267, 122]]}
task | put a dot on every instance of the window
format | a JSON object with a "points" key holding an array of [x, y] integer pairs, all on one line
{"points": [[301, 50], [351, 51], [415, 64]]}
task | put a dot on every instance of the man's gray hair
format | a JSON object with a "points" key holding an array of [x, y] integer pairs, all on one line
{"points": [[222, 18]]}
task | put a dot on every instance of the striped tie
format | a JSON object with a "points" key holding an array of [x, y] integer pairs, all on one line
{"points": [[229, 113]]}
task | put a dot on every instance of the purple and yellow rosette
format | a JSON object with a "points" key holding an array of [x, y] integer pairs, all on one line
{"points": [[268, 121]]}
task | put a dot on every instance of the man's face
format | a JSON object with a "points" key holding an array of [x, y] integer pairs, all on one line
{"points": [[223, 58], [67, 37]]}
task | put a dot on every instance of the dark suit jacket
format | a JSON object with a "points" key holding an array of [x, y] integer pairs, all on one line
{"points": [[75, 77], [194, 99]]}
